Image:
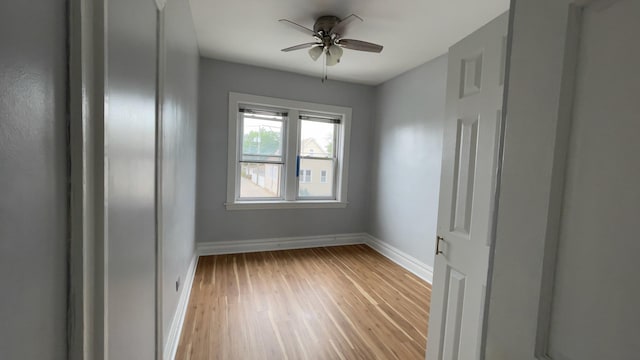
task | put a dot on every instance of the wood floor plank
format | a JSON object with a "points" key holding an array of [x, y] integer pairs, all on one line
{"points": [[343, 302]]}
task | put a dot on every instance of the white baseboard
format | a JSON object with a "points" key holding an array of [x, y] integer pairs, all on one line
{"points": [[417, 267], [401, 258], [288, 243], [177, 322]]}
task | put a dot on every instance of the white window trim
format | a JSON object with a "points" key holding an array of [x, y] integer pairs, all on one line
{"points": [[294, 108], [323, 176]]}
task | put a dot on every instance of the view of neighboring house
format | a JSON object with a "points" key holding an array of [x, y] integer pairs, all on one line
{"points": [[315, 176], [260, 180]]}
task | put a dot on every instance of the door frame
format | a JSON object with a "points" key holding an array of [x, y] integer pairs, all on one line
{"points": [[538, 103], [87, 308], [159, 155]]}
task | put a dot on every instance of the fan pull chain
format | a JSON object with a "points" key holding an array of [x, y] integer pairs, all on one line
{"points": [[324, 67]]}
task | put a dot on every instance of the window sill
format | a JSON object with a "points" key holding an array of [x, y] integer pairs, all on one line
{"points": [[276, 205]]}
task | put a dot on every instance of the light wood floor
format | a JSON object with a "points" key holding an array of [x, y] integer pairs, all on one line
{"points": [[345, 302]]}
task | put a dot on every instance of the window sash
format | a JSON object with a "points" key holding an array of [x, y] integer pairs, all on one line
{"points": [[266, 158], [326, 118], [238, 196], [302, 179], [261, 112], [248, 158], [309, 156], [260, 161], [336, 144]]}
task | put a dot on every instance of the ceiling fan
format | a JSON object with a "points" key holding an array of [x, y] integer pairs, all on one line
{"points": [[327, 34]]}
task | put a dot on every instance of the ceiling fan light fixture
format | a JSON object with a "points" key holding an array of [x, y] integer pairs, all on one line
{"points": [[327, 35], [335, 51], [315, 52], [332, 59]]}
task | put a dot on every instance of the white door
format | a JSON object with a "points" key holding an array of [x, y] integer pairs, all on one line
{"points": [[578, 295], [472, 123]]}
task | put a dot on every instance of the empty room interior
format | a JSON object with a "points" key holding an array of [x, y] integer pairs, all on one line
{"points": [[277, 179]]}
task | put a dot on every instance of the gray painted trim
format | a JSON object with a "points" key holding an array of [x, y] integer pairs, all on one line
{"points": [[496, 195], [76, 292], [160, 4], [83, 108], [561, 155], [560, 105], [160, 79], [101, 174]]}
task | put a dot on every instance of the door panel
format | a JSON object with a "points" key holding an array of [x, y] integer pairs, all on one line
{"points": [[453, 314], [464, 171], [470, 75], [474, 97]]}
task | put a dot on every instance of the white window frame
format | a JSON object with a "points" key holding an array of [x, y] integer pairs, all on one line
{"points": [[239, 170], [290, 197], [323, 176]]}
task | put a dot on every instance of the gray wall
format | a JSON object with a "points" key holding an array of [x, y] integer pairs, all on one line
{"points": [[33, 179], [130, 146], [179, 156], [214, 222], [406, 158]]}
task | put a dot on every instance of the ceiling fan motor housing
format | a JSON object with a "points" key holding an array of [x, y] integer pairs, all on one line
{"points": [[324, 24]]}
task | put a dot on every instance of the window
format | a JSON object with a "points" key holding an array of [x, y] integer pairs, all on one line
{"points": [[261, 154], [275, 148], [305, 176], [317, 138]]}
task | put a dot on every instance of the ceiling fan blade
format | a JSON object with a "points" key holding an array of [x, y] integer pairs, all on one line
{"points": [[339, 27], [359, 45], [299, 27], [301, 46]]}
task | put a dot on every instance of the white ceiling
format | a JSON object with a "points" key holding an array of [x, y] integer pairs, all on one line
{"points": [[412, 32]]}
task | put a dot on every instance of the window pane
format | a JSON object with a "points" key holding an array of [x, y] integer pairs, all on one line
{"points": [[260, 180], [317, 139], [311, 176], [262, 139]]}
